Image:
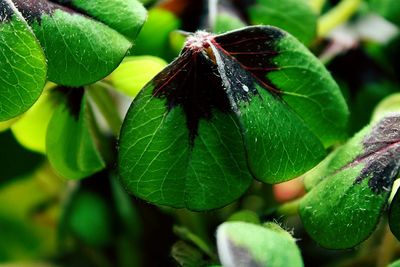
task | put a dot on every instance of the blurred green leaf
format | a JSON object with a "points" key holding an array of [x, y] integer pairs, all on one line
{"points": [[5, 125], [227, 22], [30, 130], [15, 161], [177, 41], [317, 5], [246, 244], [390, 104], [294, 16], [30, 264], [126, 210], [90, 219], [154, 38], [72, 137], [135, 72], [29, 215], [389, 9], [366, 99], [395, 264]]}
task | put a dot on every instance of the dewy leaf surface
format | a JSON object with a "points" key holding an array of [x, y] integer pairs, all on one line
{"points": [[350, 190], [246, 244], [71, 142], [22, 63], [81, 40], [225, 111], [163, 22]]}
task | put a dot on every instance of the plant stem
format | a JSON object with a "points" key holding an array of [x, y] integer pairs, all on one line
{"points": [[377, 250], [337, 15], [195, 222], [98, 92], [289, 208], [185, 234], [388, 248], [98, 258]]}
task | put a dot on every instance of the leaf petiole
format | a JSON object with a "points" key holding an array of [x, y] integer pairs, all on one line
{"points": [[98, 92], [289, 208]]}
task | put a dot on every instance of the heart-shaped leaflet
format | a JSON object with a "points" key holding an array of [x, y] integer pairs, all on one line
{"points": [[248, 103]]}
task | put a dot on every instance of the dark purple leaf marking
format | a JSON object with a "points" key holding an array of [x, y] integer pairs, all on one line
{"points": [[254, 48], [218, 73], [33, 10], [73, 98], [6, 11], [62, 2], [241, 256], [194, 85], [68, 6], [381, 155]]}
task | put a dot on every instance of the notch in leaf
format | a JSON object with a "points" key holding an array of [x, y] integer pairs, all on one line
{"points": [[231, 107]]}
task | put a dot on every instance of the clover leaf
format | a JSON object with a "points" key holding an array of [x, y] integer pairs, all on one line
{"points": [[253, 102], [81, 42]]}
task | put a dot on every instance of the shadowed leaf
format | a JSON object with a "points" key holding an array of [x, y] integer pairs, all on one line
{"points": [[71, 142], [294, 16]]}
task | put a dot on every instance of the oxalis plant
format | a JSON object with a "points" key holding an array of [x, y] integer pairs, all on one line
{"points": [[199, 133]]}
